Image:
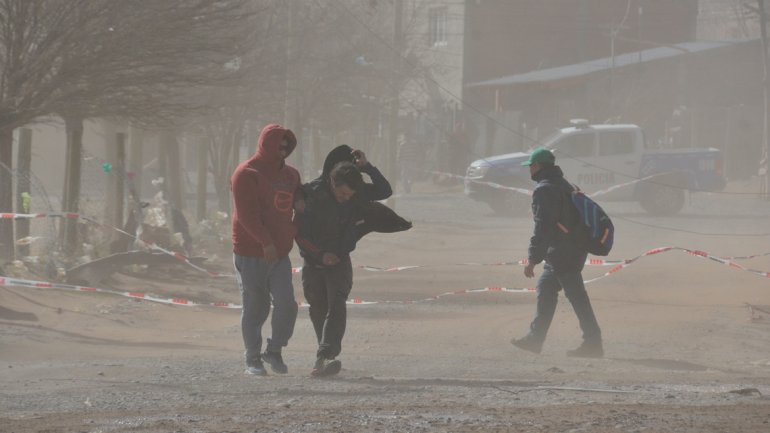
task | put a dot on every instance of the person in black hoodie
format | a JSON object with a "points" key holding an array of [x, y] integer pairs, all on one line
{"points": [[339, 209], [556, 242]]}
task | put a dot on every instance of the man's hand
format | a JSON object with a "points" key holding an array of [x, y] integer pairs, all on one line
{"points": [[360, 157], [529, 271], [299, 206], [271, 254], [330, 259]]}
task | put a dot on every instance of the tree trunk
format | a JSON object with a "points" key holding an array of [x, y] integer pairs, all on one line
{"points": [[119, 173], [174, 172], [136, 164], [202, 178], [6, 194], [71, 203], [223, 196], [109, 128], [162, 162], [23, 186], [317, 154]]}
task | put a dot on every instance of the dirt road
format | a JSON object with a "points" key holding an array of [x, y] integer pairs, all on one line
{"points": [[681, 352]]}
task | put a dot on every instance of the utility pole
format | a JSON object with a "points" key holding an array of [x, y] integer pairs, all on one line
{"points": [[398, 37], [23, 186], [765, 179]]}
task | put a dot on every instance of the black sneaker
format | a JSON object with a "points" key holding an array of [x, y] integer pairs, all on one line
{"points": [[275, 361], [326, 367], [588, 349], [255, 368], [528, 344]]}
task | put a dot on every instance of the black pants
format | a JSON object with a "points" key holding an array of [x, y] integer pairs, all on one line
{"points": [[326, 290]]}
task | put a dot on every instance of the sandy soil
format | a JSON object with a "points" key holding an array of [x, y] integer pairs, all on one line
{"points": [[678, 341]]}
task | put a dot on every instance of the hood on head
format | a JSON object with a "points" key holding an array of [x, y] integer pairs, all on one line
{"points": [[341, 153], [269, 143]]}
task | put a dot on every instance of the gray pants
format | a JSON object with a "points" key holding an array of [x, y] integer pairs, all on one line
{"points": [[260, 281], [548, 287]]}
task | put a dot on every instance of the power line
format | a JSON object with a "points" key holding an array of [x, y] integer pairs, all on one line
{"points": [[505, 127]]}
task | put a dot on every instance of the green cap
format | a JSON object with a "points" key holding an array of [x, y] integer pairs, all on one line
{"points": [[541, 155]]}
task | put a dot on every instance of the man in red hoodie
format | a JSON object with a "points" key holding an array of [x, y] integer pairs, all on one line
{"points": [[264, 190]]}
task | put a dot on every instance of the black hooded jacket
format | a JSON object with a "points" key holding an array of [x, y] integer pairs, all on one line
{"points": [[552, 207], [329, 226]]}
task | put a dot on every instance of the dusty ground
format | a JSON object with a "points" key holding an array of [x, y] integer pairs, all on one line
{"points": [[678, 340]]}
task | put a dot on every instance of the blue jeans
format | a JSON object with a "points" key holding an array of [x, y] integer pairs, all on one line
{"points": [[548, 287], [260, 281]]}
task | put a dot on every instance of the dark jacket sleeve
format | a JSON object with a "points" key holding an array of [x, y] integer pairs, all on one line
{"points": [[380, 188], [546, 204], [304, 237]]}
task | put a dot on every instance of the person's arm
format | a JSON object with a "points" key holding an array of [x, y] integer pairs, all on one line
{"points": [[380, 188], [545, 209], [306, 239], [247, 207], [303, 238]]}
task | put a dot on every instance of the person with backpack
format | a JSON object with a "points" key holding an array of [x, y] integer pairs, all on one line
{"points": [[561, 240]]}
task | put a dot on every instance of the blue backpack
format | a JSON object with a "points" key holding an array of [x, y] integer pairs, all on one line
{"points": [[598, 230]]}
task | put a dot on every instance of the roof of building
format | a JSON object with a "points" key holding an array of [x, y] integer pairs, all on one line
{"points": [[603, 64]]}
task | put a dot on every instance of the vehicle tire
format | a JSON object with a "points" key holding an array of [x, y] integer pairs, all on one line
{"points": [[662, 200], [510, 203]]}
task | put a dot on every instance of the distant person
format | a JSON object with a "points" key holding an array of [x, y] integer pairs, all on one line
{"points": [[556, 218], [264, 190], [328, 230]]}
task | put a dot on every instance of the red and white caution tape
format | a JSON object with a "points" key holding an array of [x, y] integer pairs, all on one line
{"points": [[481, 182], [5, 281], [730, 262], [43, 285], [529, 192], [18, 216], [618, 264], [616, 187]]}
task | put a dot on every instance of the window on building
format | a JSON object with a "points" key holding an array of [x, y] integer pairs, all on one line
{"points": [[437, 27], [612, 143]]}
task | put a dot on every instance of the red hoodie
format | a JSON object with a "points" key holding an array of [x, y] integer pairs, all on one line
{"points": [[263, 197]]}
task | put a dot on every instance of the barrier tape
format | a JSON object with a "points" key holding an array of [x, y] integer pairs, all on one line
{"points": [[17, 282], [6, 281], [618, 264], [590, 262], [481, 182], [730, 262], [529, 192]]}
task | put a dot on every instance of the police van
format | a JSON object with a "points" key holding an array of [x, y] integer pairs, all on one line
{"points": [[609, 161]]}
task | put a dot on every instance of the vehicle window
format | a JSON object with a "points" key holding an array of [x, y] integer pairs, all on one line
{"points": [[613, 143], [575, 145]]}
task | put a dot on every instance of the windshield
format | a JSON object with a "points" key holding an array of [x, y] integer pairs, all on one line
{"points": [[549, 140]]}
